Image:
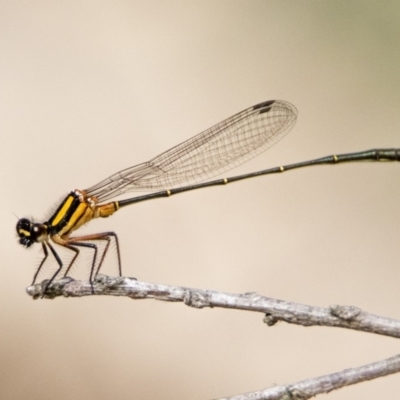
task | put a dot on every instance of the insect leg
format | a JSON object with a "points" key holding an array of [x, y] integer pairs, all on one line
{"points": [[82, 244], [46, 253], [108, 236], [58, 259], [99, 236]]}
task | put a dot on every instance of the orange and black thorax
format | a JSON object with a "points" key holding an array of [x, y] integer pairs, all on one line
{"points": [[74, 211]]}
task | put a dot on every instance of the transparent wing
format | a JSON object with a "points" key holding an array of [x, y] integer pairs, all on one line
{"points": [[216, 150]]}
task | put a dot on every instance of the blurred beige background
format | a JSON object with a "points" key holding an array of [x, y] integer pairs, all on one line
{"points": [[89, 88]]}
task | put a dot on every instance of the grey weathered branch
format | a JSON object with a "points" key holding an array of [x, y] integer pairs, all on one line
{"points": [[323, 384], [275, 310]]}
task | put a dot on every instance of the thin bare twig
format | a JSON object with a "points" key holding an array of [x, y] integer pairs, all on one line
{"points": [[275, 310], [323, 384]]}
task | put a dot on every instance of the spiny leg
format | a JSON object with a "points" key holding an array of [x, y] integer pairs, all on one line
{"points": [[58, 259], [80, 242], [108, 240], [107, 236], [87, 245], [100, 236], [46, 253]]}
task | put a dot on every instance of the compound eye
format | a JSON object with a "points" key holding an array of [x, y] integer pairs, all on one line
{"points": [[24, 227]]}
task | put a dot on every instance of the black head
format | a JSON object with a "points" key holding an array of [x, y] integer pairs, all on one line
{"points": [[30, 233]]}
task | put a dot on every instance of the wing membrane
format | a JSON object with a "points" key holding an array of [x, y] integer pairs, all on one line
{"points": [[216, 150]]}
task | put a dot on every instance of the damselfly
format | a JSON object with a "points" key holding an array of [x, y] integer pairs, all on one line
{"points": [[216, 150]]}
